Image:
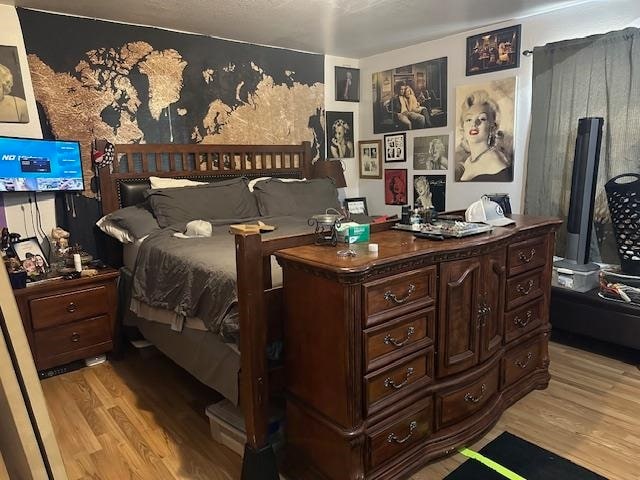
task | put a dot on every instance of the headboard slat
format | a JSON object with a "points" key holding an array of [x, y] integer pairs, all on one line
{"points": [[199, 161]]}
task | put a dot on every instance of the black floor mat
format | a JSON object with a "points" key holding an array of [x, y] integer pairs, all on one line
{"points": [[526, 459]]}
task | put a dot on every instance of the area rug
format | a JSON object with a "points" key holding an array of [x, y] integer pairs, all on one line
{"points": [[511, 457]]}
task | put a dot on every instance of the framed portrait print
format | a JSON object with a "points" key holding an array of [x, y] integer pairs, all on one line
{"points": [[395, 147], [339, 135], [13, 107], [356, 206], [493, 51], [370, 158], [395, 186], [347, 84], [30, 255]]}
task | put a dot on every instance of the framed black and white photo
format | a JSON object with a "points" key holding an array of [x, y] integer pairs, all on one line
{"points": [[347, 84], [493, 51], [429, 191], [370, 156], [431, 153], [411, 97], [395, 147], [356, 205], [13, 107], [340, 135]]}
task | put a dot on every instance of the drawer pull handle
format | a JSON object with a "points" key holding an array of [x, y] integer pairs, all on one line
{"points": [[75, 337], [389, 296], [72, 307], [393, 438], [389, 340], [523, 257], [525, 290], [469, 397], [524, 364], [389, 382], [523, 323]]}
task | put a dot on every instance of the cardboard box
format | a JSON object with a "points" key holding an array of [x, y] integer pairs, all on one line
{"points": [[352, 232]]}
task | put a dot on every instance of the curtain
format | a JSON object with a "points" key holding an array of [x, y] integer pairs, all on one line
{"points": [[597, 76]]}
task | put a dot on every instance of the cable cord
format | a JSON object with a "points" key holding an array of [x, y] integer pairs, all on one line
{"points": [[41, 230]]}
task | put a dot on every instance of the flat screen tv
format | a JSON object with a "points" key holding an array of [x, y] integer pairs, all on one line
{"points": [[30, 165]]}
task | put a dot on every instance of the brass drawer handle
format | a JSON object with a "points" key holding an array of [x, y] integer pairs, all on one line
{"points": [[389, 296], [523, 256], [523, 323], [389, 340], [524, 364], [75, 337], [525, 290], [469, 397], [72, 307], [393, 438], [389, 382]]}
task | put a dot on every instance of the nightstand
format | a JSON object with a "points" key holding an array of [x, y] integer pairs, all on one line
{"points": [[67, 320]]}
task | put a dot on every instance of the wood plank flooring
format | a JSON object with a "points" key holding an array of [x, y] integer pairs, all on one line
{"points": [[144, 419]]}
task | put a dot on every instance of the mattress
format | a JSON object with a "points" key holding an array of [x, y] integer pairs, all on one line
{"points": [[130, 253]]}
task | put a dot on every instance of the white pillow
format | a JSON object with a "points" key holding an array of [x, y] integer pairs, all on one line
{"points": [[252, 183], [115, 231], [161, 182]]}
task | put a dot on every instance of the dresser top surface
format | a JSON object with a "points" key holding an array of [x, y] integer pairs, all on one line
{"points": [[395, 245]]}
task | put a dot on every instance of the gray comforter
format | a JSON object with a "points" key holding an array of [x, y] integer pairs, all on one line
{"points": [[196, 277]]}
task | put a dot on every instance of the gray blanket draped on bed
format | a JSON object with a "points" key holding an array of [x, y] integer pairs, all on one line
{"points": [[196, 277]]}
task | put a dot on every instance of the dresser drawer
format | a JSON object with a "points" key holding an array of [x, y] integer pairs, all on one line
{"points": [[524, 288], [401, 435], [397, 378], [68, 307], [396, 338], [520, 361], [523, 320], [527, 255], [72, 337], [463, 402], [399, 293]]}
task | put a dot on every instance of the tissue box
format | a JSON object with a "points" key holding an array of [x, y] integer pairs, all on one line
{"points": [[353, 233]]}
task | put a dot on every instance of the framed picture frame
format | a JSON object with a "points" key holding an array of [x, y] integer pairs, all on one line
{"points": [[14, 105], [395, 147], [339, 135], [370, 158], [395, 186], [493, 51], [356, 206], [347, 84], [30, 255]]}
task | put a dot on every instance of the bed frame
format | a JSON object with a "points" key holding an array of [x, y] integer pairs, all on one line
{"points": [[260, 305]]}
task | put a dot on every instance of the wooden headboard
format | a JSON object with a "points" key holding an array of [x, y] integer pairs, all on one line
{"points": [[135, 163]]}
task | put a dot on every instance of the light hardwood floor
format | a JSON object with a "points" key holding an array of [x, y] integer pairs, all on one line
{"points": [[144, 419]]}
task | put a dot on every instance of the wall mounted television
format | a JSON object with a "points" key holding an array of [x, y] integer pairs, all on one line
{"points": [[32, 165]]}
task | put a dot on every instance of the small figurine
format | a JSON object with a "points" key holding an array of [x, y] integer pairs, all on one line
{"points": [[61, 238]]}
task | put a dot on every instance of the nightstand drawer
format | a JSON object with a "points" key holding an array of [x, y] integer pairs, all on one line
{"points": [[68, 307], [73, 337]]}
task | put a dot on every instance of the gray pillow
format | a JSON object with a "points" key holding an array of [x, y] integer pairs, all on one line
{"points": [[223, 199], [137, 220], [303, 199]]}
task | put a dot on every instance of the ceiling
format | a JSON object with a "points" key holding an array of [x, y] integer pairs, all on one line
{"points": [[348, 28]]}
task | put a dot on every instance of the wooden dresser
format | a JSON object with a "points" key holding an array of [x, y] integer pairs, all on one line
{"points": [[68, 320], [397, 357]]}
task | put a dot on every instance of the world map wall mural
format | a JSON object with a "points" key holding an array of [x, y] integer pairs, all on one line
{"points": [[131, 84]]}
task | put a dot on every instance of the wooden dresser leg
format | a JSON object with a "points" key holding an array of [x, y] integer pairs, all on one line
{"points": [[259, 464]]}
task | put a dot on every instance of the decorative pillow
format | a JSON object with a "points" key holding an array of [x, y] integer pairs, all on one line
{"points": [[161, 182], [252, 183], [216, 200], [302, 199], [128, 224]]}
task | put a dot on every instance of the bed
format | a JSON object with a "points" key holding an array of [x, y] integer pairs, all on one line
{"points": [[259, 298]]}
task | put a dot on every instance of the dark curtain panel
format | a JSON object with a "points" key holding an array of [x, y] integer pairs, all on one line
{"points": [[597, 76]]}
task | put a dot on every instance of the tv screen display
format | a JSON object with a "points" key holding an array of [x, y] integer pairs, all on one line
{"points": [[30, 165]]}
